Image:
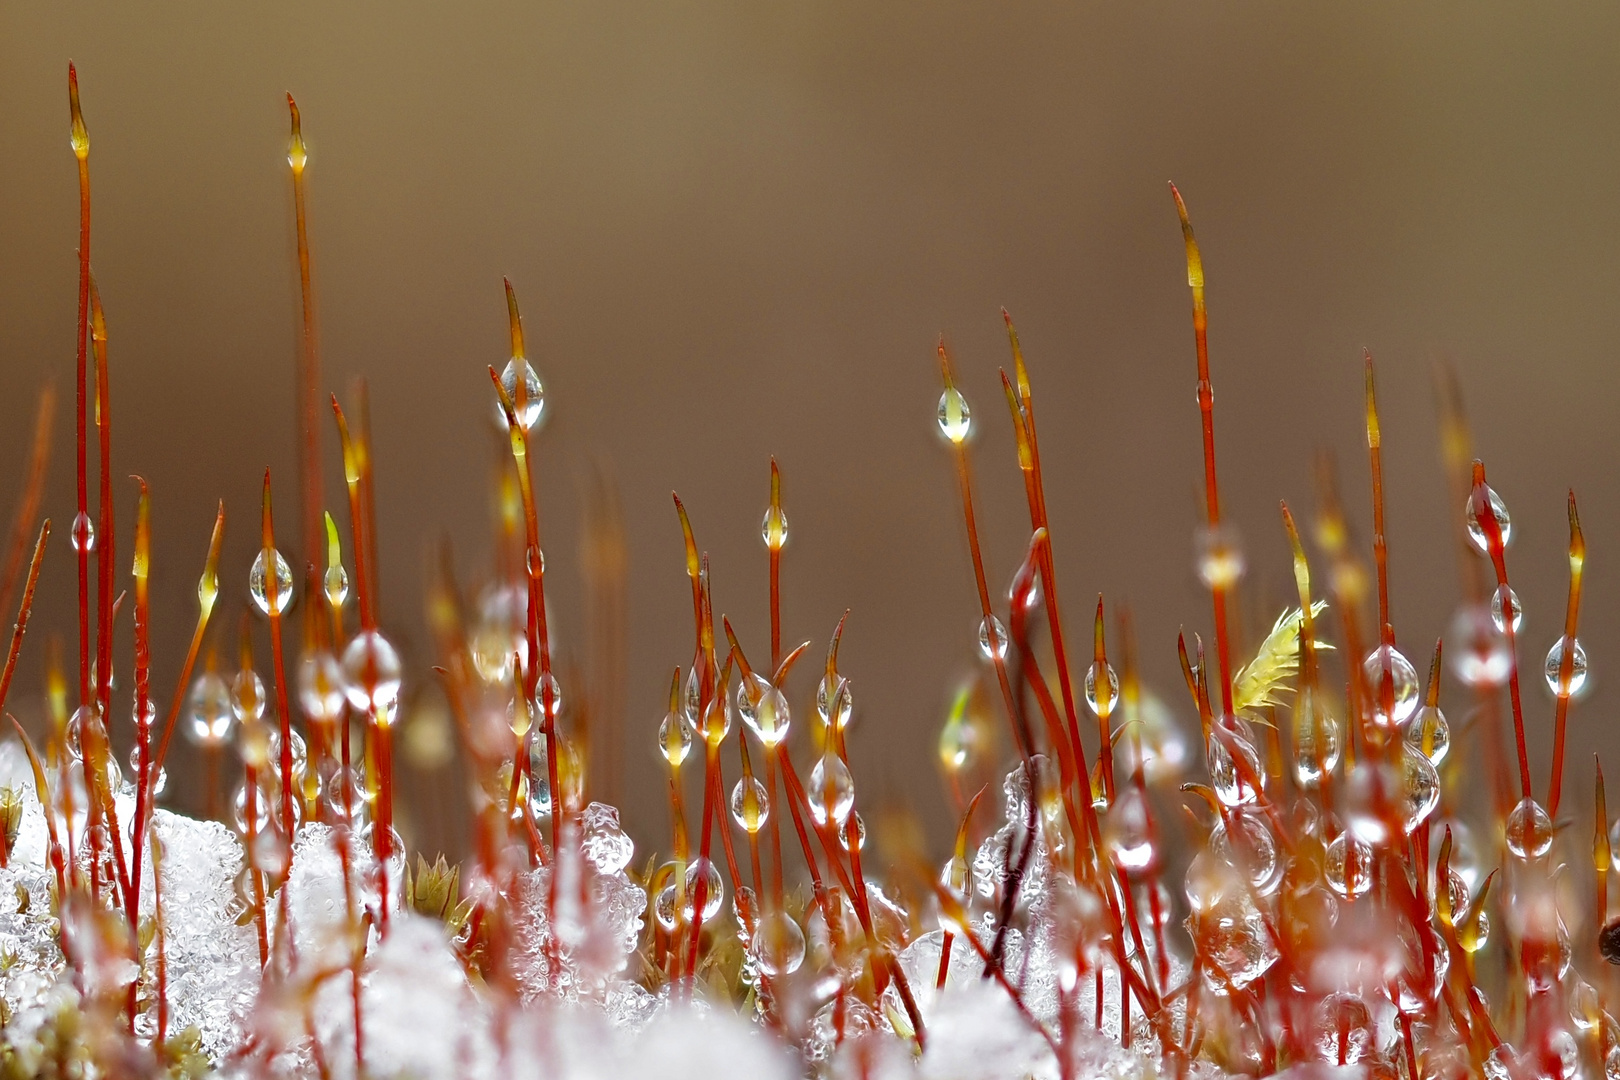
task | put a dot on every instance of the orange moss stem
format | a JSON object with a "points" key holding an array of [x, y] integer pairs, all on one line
{"points": [[1566, 662]]}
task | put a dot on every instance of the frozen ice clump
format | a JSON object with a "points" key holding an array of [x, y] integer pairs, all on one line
{"points": [[213, 959], [316, 902]]}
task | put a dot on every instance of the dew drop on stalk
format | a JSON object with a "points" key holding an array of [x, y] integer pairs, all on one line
{"points": [[666, 908], [992, 638], [1429, 734], [1220, 556], [84, 534], [1348, 866], [764, 709], [1344, 1028], [534, 403], [371, 672], [778, 944], [247, 696], [750, 805], [774, 529], [1101, 689], [1244, 842], [1234, 763], [674, 739], [548, 686], [1477, 649], [1316, 745], [210, 711], [713, 889], [336, 583], [1577, 669], [830, 789], [1476, 534], [320, 687], [1529, 830], [835, 703], [1501, 611], [1127, 833], [1420, 788], [955, 418], [259, 586], [1387, 666]]}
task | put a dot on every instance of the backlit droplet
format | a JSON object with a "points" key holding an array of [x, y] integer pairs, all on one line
{"points": [[1234, 764], [778, 944], [666, 908], [84, 534], [209, 711], [955, 418], [1126, 832], [1348, 866], [674, 739], [336, 583], [320, 687], [1244, 842], [1529, 831], [713, 890], [1102, 689], [1317, 745], [247, 696], [854, 829], [534, 403], [835, 700], [1420, 788], [750, 805], [371, 672], [764, 709], [1220, 556], [1577, 668], [1499, 615], [774, 529], [830, 789], [1389, 672], [1429, 734], [1476, 534], [259, 587], [992, 638], [1477, 649]]}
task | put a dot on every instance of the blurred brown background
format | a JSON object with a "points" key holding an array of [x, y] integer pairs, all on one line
{"points": [[737, 229]]}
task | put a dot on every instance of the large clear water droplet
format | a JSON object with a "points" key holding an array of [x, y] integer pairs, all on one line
{"points": [[1128, 833], [778, 944], [750, 805], [1429, 734], [336, 582], [955, 418], [371, 672], [764, 709], [320, 687], [1234, 764], [1553, 669], [1420, 789], [1219, 556], [992, 638], [534, 403], [1500, 611], [774, 529], [1348, 866], [1471, 513], [209, 711], [834, 703], [830, 790], [1529, 830], [84, 534], [259, 586], [1317, 743], [1102, 689], [247, 696], [713, 889], [1386, 668], [674, 739], [1244, 842]]}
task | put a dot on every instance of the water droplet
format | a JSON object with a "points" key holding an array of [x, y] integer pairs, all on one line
{"points": [[247, 696], [1220, 556], [1244, 842], [955, 418], [259, 587], [1127, 832], [371, 672], [1386, 669], [666, 908], [1233, 783], [830, 789], [1429, 734], [158, 780], [1348, 866], [1478, 651], [992, 638], [84, 534], [1475, 532], [1529, 831], [750, 805], [713, 889], [548, 687], [1344, 1029], [1497, 614], [534, 403], [1420, 789], [838, 702], [1101, 699], [210, 710], [774, 529], [853, 828], [1159, 739], [778, 944], [1317, 744], [764, 709], [337, 584], [674, 739], [1577, 669], [320, 687]]}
